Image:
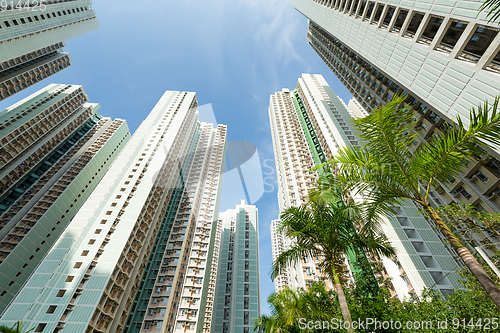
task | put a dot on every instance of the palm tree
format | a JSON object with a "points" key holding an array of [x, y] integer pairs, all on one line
{"points": [[286, 310], [289, 307], [493, 7], [267, 324], [388, 172], [321, 230], [17, 328]]}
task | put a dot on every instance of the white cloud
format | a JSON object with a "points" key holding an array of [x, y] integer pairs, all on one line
{"points": [[278, 24]]}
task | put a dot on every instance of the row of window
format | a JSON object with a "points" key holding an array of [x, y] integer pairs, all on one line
{"points": [[35, 18], [408, 22]]}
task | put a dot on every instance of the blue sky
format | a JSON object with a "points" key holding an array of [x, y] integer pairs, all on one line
{"points": [[232, 53]]}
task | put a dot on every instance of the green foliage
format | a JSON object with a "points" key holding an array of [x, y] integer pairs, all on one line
{"points": [[464, 220], [319, 230], [493, 8], [387, 172], [17, 328], [320, 304]]}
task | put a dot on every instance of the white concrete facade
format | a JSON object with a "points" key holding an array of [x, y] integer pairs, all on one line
{"points": [[449, 81], [86, 280]]}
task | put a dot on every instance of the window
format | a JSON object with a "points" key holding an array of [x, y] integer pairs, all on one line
{"points": [[412, 28], [479, 175], [431, 29], [40, 327], [388, 16], [84, 253], [97, 231], [378, 13], [369, 12], [61, 293], [51, 309], [478, 44], [77, 265], [69, 278]]}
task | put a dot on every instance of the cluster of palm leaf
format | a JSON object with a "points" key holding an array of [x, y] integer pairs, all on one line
{"points": [[401, 174], [18, 327], [493, 8], [320, 229], [387, 173], [301, 310], [289, 306]]}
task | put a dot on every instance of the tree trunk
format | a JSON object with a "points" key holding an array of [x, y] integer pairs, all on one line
{"points": [[346, 314], [476, 269]]}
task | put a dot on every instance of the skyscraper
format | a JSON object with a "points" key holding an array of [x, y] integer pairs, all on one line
{"points": [[444, 56], [134, 258], [31, 39], [309, 125], [54, 150], [237, 296], [277, 247]]}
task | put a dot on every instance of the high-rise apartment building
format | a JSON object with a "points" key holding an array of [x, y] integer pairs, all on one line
{"points": [[32, 37], [54, 149], [309, 125], [444, 56], [237, 296], [277, 247], [137, 255]]}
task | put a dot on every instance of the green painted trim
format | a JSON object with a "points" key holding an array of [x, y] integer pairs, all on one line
{"points": [[312, 139]]}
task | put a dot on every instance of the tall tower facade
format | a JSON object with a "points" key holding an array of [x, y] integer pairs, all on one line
{"points": [[163, 185], [444, 56], [237, 296], [177, 294], [277, 247], [326, 126], [54, 150], [31, 40]]}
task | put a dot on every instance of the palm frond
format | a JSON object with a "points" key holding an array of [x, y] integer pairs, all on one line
{"points": [[493, 7], [291, 257], [361, 170], [442, 157]]}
